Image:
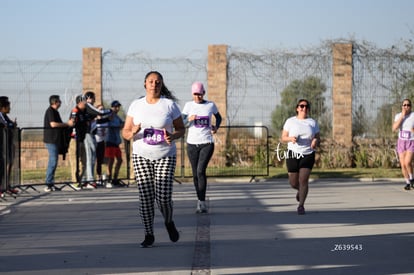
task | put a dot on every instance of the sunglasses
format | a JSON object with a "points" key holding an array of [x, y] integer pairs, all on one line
{"points": [[303, 106], [406, 105]]}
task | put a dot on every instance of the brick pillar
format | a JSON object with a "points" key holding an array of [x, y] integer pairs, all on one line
{"points": [[92, 72], [217, 78], [217, 92], [342, 94]]}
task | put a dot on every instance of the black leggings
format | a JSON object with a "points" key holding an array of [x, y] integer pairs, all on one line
{"points": [[199, 156]]}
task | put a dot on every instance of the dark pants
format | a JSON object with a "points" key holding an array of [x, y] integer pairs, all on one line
{"points": [[100, 157], [199, 156]]}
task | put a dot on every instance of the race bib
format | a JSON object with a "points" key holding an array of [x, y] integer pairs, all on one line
{"points": [[405, 135], [202, 122], [153, 136]]}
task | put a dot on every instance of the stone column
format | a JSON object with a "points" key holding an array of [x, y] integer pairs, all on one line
{"points": [[217, 92], [92, 72], [217, 78], [342, 94]]}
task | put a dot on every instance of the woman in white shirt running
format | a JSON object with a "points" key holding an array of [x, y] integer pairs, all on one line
{"points": [[404, 124], [302, 135], [200, 143], [153, 123]]}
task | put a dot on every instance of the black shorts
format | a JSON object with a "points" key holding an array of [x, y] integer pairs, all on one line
{"points": [[296, 161]]}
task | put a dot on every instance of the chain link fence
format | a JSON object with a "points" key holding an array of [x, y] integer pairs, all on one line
{"points": [[381, 80]]}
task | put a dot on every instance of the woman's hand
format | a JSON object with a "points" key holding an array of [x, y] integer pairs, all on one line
{"points": [[168, 137], [130, 129], [315, 141], [135, 129], [213, 129]]}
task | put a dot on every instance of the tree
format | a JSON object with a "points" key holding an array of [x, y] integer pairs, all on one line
{"points": [[360, 123], [311, 89]]}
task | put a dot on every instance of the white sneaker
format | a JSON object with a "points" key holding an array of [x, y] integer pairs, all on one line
{"points": [[90, 186], [48, 189], [75, 186], [201, 207], [108, 185]]}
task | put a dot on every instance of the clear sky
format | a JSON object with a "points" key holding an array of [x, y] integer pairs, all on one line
{"points": [[59, 29]]}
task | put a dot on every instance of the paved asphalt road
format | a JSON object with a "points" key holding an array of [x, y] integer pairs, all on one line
{"points": [[351, 227]]}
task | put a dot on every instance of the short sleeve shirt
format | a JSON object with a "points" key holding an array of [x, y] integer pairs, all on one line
{"points": [[304, 130], [406, 127], [199, 131], [51, 135], [154, 118]]}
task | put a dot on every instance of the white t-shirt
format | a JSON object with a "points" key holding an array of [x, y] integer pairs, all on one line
{"points": [[304, 130], [199, 131], [406, 126], [154, 118]]}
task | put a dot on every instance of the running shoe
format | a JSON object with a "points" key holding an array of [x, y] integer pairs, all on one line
{"points": [[301, 210], [149, 241], [172, 231], [201, 207]]}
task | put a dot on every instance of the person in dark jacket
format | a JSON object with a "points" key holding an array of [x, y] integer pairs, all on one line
{"points": [[7, 133], [76, 148]]}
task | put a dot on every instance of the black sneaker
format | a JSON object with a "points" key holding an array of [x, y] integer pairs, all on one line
{"points": [[412, 183], [301, 210], [407, 187], [172, 231], [148, 242]]}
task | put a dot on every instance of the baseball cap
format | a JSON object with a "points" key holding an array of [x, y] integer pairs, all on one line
{"points": [[197, 88], [115, 103]]}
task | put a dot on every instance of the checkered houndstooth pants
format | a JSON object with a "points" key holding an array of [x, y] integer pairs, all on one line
{"points": [[155, 184]]}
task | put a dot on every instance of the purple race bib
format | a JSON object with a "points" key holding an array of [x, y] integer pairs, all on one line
{"points": [[405, 135], [202, 122], [153, 136]]}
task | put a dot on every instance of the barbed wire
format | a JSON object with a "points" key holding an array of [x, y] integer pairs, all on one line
{"points": [[255, 79]]}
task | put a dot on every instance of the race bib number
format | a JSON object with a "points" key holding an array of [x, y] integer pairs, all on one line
{"points": [[202, 122], [153, 136], [405, 135]]}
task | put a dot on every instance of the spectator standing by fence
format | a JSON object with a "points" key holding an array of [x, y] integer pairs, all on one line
{"points": [[153, 123], [77, 155], [90, 143], [404, 124], [113, 139], [100, 135], [200, 142], [302, 136], [54, 139], [8, 135]]}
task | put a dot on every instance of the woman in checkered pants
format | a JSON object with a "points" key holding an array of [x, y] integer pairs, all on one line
{"points": [[153, 123]]}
